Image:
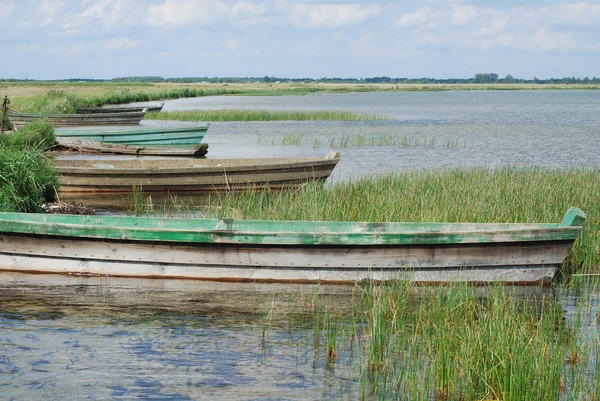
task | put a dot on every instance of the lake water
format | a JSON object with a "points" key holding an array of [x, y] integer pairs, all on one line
{"points": [[97, 338], [429, 129]]}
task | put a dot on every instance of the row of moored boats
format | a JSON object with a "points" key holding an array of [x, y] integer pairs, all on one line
{"points": [[169, 160]]}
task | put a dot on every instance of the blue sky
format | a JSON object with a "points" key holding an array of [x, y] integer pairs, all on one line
{"points": [[56, 39]]}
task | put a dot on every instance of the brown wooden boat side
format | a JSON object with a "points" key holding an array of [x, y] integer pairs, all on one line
{"points": [[72, 120]]}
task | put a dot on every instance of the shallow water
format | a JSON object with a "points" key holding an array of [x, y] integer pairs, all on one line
{"points": [[105, 338]]}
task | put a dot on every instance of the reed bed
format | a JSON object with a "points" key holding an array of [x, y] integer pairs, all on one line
{"points": [[261, 115], [351, 141], [506, 195], [397, 341], [66, 98]]}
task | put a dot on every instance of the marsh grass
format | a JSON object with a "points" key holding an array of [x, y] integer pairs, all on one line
{"points": [[261, 115], [61, 100], [27, 178], [451, 343], [351, 141]]}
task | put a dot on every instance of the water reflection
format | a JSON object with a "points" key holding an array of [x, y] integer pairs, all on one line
{"points": [[109, 338]]}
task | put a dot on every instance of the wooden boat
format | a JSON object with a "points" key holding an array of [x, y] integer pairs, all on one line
{"points": [[285, 251], [84, 146], [97, 110], [100, 176], [75, 120], [178, 135]]}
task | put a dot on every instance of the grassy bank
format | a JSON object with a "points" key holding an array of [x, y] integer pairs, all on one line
{"points": [[261, 115], [27, 178], [474, 195]]}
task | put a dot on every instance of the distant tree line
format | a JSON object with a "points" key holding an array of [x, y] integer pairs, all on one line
{"points": [[480, 78]]}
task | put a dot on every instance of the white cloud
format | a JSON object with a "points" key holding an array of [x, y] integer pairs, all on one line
{"points": [[492, 27], [246, 9], [105, 9], [462, 15], [6, 9], [544, 40], [176, 13], [121, 44], [502, 40], [419, 17], [331, 15], [50, 9]]}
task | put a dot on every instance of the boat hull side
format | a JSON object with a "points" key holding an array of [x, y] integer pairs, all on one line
{"points": [[516, 263]]}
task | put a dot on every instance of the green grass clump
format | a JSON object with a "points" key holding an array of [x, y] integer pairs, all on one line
{"points": [[35, 134], [454, 343], [261, 115], [27, 178]]}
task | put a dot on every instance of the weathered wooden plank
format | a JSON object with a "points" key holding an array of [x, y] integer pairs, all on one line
{"points": [[65, 120]]}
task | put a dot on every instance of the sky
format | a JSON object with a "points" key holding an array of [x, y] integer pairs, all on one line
{"points": [[102, 39]]}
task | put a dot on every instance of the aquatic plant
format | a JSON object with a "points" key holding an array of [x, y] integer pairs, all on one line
{"points": [[261, 115]]}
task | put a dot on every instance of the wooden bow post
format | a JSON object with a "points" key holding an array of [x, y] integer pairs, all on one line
{"points": [[4, 107]]}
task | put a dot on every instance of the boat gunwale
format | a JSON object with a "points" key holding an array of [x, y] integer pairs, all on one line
{"points": [[95, 131], [194, 165], [11, 113], [225, 231]]}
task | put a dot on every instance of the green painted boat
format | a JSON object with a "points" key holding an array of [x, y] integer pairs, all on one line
{"points": [[155, 135], [285, 251]]}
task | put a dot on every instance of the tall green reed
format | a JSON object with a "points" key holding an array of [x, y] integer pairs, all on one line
{"points": [[261, 115], [27, 178]]}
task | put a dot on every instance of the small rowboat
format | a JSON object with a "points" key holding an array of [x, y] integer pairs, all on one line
{"points": [[99, 176], [98, 110], [179, 135], [84, 146], [75, 120], [285, 251]]}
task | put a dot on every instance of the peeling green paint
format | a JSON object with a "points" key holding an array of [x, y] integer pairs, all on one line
{"points": [[275, 232]]}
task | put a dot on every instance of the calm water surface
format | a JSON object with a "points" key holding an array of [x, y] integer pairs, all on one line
{"points": [[430, 129], [98, 339]]}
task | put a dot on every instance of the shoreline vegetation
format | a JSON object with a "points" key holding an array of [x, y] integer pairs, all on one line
{"points": [[65, 97], [261, 115]]}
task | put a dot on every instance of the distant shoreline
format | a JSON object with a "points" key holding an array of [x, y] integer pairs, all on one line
{"points": [[31, 88]]}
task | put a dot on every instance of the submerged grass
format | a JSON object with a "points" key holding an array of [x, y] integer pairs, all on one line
{"points": [[261, 115], [454, 343]]}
